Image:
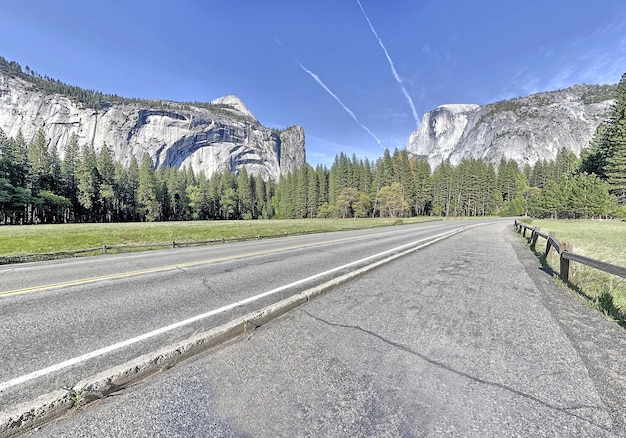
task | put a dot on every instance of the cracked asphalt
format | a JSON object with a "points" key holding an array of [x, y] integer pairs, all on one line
{"points": [[467, 337]]}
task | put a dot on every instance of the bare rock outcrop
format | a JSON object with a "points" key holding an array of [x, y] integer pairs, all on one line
{"points": [[207, 137], [526, 129]]}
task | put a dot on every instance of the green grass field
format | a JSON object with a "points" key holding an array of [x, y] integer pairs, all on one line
{"points": [[44, 239], [599, 239]]}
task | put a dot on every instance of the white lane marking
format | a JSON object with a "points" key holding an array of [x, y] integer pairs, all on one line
{"points": [[102, 351], [88, 280]]}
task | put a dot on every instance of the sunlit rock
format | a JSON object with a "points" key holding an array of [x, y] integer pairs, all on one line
{"points": [[526, 129]]}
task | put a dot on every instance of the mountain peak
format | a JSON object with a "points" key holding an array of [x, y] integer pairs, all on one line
{"points": [[236, 103], [524, 129], [459, 107]]}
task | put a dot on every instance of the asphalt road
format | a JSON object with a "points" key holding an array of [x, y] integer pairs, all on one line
{"points": [[467, 337], [66, 320]]}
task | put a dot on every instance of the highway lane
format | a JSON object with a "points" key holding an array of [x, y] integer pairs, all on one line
{"points": [[467, 337], [19, 277], [55, 312]]}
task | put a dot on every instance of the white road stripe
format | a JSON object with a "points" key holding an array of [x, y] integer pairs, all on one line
{"points": [[88, 280], [102, 351]]}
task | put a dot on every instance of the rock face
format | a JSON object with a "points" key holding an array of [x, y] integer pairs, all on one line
{"points": [[526, 129], [209, 138]]}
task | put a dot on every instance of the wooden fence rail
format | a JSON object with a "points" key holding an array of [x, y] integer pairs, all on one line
{"points": [[566, 252]]}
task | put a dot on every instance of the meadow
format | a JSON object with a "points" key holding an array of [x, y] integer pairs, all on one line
{"points": [[44, 239], [599, 239]]}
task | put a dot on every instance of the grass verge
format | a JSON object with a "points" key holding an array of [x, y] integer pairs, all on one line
{"points": [[46, 239], [599, 239]]}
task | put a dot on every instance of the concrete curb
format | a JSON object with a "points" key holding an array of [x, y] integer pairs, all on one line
{"points": [[50, 406]]}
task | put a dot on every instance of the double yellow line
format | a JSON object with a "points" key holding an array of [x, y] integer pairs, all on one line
{"points": [[177, 266]]}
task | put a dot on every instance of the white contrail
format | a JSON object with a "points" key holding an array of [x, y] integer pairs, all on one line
{"points": [[393, 68], [319, 81]]}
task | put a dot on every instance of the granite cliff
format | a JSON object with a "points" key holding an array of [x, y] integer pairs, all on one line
{"points": [[211, 137], [526, 129]]}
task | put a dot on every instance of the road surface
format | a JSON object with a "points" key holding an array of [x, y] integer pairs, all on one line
{"points": [[65, 320], [466, 337]]}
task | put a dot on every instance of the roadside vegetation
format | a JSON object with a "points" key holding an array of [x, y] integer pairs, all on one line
{"points": [[45, 239], [603, 240]]}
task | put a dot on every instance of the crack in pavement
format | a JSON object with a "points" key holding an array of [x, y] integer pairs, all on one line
{"points": [[565, 410], [205, 283]]}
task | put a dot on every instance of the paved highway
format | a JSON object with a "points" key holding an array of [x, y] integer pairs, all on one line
{"points": [[466, 337], [65, 320]]}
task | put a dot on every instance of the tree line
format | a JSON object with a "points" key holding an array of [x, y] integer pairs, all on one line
{"points": [[88, 185], [37, 186], [398, 185]]}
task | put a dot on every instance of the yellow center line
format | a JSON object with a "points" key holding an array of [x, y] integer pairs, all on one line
{"points": [[177, 266]]}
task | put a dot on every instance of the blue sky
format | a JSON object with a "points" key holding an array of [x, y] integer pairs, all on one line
{"points": [[357, 74]]}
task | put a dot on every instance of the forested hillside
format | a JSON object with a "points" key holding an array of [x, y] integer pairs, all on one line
{"points": [[96, 99], [37, 186]]}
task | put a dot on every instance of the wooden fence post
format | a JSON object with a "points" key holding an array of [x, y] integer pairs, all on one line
{"points": [[565, 247], [533, 237], [548, 244], [104, 249]]}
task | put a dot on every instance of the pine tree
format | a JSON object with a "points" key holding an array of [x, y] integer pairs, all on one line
{"points": [[245, 194], [594, 158], [551, 200], [443, 181], [195, 203], [176, 181], [133, 189], [22, 166], [493, 198], [228, 195], [423, 185], [260, 201], [39, 158], [616, 161], [313, 193], [270, 190], [121, 208], [6, 158], [616, 172], [323, 174], [607, 154], [566, 163], [88, 183], [403, 175], [13, 197], [589, 196], [229, 203], [106, 175], [147, 201], [365, 177]]}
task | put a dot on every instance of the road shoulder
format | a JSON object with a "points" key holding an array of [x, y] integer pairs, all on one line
{"points": [[600, 343]]}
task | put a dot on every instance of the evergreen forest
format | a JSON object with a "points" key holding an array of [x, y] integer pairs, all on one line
{"points": [[88, 185]]}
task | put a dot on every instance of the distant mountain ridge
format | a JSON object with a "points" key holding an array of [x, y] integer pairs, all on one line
{"points": [[525, 129], [208, 137]]}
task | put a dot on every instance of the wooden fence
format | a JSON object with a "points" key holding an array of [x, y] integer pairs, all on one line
{"points": [[565, 250]]}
